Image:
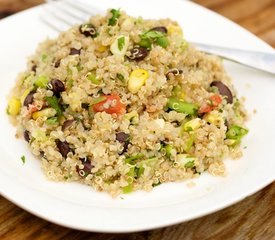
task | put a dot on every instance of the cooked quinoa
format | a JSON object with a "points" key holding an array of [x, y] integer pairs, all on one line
{"points": [[122, 104]]}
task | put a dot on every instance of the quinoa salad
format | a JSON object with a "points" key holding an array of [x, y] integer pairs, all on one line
{"points": [[124, 104]]}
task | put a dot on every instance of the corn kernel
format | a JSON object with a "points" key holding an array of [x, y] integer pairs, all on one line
{"points": [[192, 125], [101, 48], [47, 112], [14, 106], [137, 79], [214, 118]]}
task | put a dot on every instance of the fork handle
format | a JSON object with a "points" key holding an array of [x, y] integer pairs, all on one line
{"points": [[264, 61]]}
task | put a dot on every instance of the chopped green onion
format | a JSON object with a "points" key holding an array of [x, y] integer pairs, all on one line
{"points": [[188, 144], [98, 100], [41, 81], [92, 77], [190, 164], [236, 133], [131, 160], [168, 150], [181, 106], [127, 189]]}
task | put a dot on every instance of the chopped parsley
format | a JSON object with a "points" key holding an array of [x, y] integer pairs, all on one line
{"points": [[23, 159], [120, 77], [52, 120], [152, 36], [53, 102], [121, 43], [115, 15]]}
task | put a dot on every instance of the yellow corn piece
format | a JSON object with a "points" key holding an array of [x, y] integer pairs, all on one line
{"points": [[174, 29], [14, 106], [192, 125], [214, 118], [47, 112], [137, 79], [101, 48]]}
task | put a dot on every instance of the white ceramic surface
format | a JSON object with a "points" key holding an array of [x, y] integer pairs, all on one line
{"points": [[78, 206]]}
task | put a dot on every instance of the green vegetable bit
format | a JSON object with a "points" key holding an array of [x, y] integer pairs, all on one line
{"points": [[52, 121], [131, 160], [181, 106], [188, 144], [236, 133], [127, 189], [92, 77], [190, 164], [41, 81], [120, 43], [115, 15], [54, 103], [151, 36], [23, 159], [145, 43], [44, 58], [163, 42]]}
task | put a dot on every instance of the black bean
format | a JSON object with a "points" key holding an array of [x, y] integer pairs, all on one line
{"points": [[34, 68], [159, 29], [29, 99], [88, 30], [173, 71], [123, 138], [63, 148], [223, 90], [56, 86], [138, 53], [74, 51], [67, 124], [87, 167], [57, 63], [85, 105], [27, 135]]}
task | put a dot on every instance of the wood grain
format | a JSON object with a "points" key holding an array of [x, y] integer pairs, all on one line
{"points": [[251, 219]]}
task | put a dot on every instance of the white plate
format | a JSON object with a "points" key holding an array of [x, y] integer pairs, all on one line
{"points": [[79, 206]]}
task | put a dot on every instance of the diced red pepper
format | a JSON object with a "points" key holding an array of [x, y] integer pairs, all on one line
{"points": [[111, 104], [215, 100]]}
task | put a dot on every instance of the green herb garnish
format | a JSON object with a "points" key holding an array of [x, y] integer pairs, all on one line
{"points": [[52, 120], [115, 15], [54, 103], [190, 164], [121, 43], [152, 36], [23, 159], [120, 77]]}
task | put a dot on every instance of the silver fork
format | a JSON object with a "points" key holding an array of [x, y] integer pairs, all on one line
{"points": [[62, 14]]}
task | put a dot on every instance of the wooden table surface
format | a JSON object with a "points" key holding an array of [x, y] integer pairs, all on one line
{"points": [[252, 218]]}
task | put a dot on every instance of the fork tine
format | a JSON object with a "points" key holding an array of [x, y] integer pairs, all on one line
{"points": [[62, 14]]}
